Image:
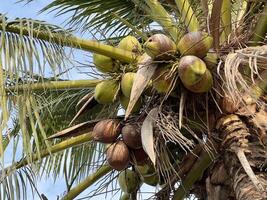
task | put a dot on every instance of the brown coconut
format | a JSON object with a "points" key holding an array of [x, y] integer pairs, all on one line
{"points": [[139, 156], [118, 155], [131, 136], [107, 131]]}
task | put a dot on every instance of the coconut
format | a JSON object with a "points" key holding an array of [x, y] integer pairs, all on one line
{"points": [[195, 43], [148, 174], [106, 91], [104, 64], [129, 181], [145, 169], [125, 196], [127, 83], [211, 59], [139, 156], [151, 179], [203, 85], [161, 82], [160, 47], [131, 136], [130, 43], [106, 131], [125, 101], [118, 155], [191, 69]]}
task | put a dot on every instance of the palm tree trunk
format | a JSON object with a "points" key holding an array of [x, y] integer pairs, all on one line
{"points": [[244, 151]]}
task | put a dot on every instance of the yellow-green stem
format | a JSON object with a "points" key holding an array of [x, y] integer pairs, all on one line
{"points": [[91, 179], [54, 149], [74, 42], [260, 29], [188, 15], [194, 174], [55, 85], [226, 19], [160, 15]]}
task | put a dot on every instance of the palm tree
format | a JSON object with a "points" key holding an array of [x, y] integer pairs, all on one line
{"points": [[204, 132]]}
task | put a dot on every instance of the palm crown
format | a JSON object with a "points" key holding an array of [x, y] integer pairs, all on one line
{"points": [[193, 90]]}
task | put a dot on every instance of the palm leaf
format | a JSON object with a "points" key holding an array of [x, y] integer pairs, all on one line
{"points": [[97, 14]]}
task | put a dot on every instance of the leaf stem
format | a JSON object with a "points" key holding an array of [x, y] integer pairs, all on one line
{"points": [[260, 29], [91, 179], [55, 85], [75, 42], [188, 15], [54, 149], [160, 15], [226, 19], [194, 174]]}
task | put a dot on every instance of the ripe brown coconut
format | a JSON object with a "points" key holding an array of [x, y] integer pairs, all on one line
{"points": [[139, 156], [131, 136], [107, 131], [118, 155]]}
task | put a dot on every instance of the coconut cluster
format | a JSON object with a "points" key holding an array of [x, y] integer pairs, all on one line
{"points": [[187, 62], [193, 71], [193, 49], [191, 54], [125, 143]]}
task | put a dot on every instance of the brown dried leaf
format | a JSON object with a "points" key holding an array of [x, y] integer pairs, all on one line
{"points": [[146, 69], [147, 134], [90, 103], [76, 130]]}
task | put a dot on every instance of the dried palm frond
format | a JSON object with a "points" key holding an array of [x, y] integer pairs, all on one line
{"points": [[241, 70]]}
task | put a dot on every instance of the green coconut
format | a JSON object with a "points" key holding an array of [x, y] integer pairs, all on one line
{"points": [[211, 59], [106, 91], [125, 101], [130, 43], [160, 47], [151, 179], [127, 83], [145, 169], [104, 64], [195, 43], [125, 196], [191, 70], [129, 181], [203, 85], [161, 82]]}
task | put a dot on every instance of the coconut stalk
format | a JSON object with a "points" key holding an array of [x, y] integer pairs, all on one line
{"points": [[53, 149], [260, 29], [91, 179], [194, 174], [160, 15], [75, 42], [54, 85], [226, 19], [188, 16]]}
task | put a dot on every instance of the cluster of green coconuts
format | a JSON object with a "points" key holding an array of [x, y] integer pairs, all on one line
{"points": [[193, 60]]}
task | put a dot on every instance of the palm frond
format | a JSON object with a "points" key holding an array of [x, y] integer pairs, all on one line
{"points": [[18, 185], [25, 55], [98, 15]]}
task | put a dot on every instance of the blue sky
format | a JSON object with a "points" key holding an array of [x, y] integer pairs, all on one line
{"points": [[13, 10]]}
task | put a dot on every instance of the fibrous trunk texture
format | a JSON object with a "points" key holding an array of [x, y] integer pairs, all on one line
{"points": [[243, 156]]}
